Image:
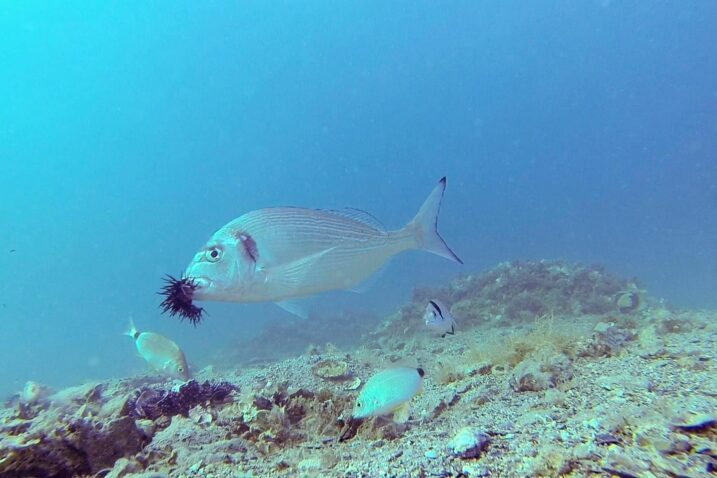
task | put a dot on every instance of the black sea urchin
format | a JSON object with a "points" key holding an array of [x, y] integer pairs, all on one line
{"points": [[178, 299]]}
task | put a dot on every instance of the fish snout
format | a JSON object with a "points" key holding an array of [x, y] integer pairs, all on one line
{"points": [[199, 283], [200, 286]]}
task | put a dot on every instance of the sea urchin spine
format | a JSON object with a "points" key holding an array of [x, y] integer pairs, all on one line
{"points": [[178, 299]]}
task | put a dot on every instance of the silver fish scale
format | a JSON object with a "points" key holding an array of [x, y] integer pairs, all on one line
{"points": [[355, 249]]}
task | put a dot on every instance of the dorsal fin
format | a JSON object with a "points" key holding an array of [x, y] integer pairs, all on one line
{"points": [[359, 215]]}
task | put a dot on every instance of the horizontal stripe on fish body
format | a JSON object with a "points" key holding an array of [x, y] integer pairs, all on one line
{"points": [[338, 252]]}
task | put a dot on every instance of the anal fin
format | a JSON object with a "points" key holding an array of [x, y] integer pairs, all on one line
{"points": [[367, 284], [296, 307]]}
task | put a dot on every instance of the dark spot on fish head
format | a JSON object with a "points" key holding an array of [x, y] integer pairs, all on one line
{"points": [[248, 246]]}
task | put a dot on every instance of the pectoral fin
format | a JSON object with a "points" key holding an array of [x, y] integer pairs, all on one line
{"points": [[288, 278], [153, 368], [400, 415]]}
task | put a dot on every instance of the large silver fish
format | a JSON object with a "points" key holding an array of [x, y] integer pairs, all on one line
{"points": [[282, 253]]}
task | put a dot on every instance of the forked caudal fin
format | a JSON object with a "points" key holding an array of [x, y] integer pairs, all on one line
{"points": [[132, 330], [425, 225]]}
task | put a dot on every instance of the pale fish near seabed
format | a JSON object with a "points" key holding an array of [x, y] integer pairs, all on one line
{"points": [[438, 317], [162, 354], [283, 253], [389, 392], [33, 392]]}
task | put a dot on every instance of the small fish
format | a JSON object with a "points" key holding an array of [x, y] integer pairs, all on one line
{"points": [[389, 392], [13, 250], [284, 253], [438, 317], [160, 353]]}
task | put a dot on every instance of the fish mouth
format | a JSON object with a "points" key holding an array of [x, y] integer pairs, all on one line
{"points": [[178, 298]]}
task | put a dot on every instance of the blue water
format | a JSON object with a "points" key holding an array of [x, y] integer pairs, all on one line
{"points": [[131, 131]]}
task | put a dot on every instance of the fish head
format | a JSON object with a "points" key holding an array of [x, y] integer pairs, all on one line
{"points": [[371, 403], [371, 407], [221, 270], [224, 269], [180, 369], [365, 407]]}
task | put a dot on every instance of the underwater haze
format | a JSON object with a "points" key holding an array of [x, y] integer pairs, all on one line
{"points": [[131, 131]]}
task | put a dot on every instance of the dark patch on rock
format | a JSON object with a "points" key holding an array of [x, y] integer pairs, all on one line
{"points": [[153, 403], [262, 403], [606, 439]]}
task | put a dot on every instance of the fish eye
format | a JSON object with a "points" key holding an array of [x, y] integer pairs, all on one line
{"points": [[213, 254], [181, 369]]}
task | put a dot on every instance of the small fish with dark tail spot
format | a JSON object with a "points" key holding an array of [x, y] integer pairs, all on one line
{"points": [[438, 317], [389, 393]]}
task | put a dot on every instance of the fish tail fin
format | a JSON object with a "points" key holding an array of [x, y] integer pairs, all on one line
{"points": [[132, 330], [425, 225]]}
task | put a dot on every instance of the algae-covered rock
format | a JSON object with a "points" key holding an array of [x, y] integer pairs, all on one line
{"points": [[471, 310], [106, 443], [536, 374], [80, 447], [628, 301], [331, 369], [468, 443]]}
